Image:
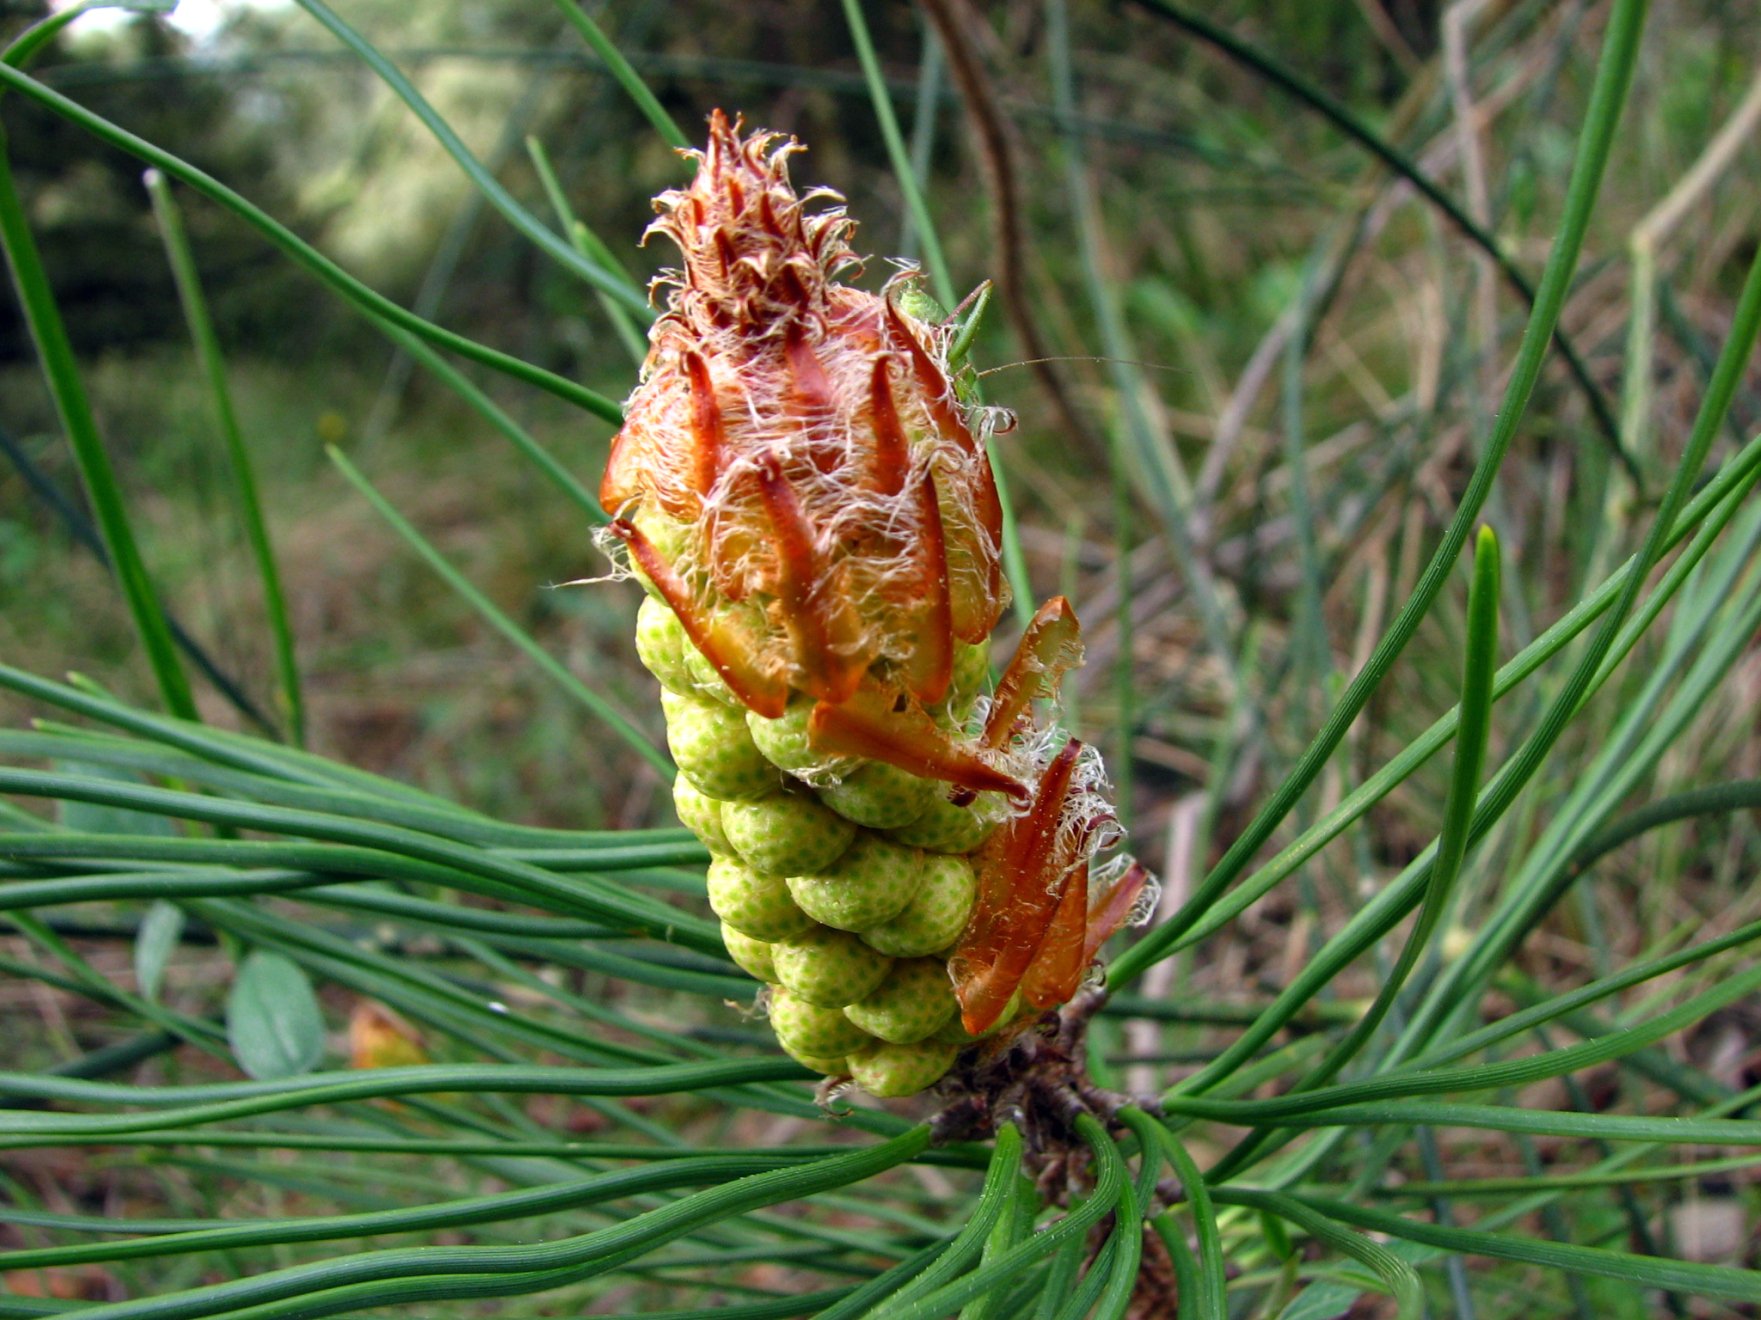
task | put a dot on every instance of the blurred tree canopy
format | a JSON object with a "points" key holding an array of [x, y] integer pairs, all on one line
{"points": [[272, 105], [1216, 212], [90, 209]]}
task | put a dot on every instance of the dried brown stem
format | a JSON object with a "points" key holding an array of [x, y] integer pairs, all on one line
{"points": [[954, 22], [1039, 1081]]}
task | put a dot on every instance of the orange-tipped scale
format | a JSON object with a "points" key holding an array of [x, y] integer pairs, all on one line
{"points": [[1023, 871], [734, 654], [883, 726]]}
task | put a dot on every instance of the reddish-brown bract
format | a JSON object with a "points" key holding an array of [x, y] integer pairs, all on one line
{"points": [[1051, 645], [731, 649], [1024, 870], [873, 725], [1034, 929]]}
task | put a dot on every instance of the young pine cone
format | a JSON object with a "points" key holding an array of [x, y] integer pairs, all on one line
{"points": [[898, 851]]}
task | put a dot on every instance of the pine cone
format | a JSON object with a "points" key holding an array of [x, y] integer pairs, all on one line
{"points": [[806, 498]]}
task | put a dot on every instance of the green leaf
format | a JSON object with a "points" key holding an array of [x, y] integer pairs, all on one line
{"points": [[1452, 842], [1322, 1301], [176, 1106], [101, 818], [627, 77], [250, 506], [1645, 1271], [1207, 1301], [1013, 1224], [588, 243], [1709, 511], [1110, 1177], [1527, 894], [1309, 94], [481, 1269], [1396, 1274], [663, 1175], [1277, 1240], [272, 1018], [408, 854], [994, 1198], [545, 240], [160, 931], [109, 504], [898, 154]]}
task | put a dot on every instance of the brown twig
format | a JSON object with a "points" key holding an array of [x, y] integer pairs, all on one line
{"points": [[954, 22], [1039, 1081]]}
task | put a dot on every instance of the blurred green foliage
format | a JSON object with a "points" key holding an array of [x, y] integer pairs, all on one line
{"points": [[1210, 214]]}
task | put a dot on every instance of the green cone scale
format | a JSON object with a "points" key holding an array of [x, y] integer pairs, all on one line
{"points": [[835, 879], [702, 815], [787, 834], [889, 1070], [758, 906], [882, 797], [713, 750], [871, 883], [936, 914], [752, 956], [831, 968], [912, 1004]]}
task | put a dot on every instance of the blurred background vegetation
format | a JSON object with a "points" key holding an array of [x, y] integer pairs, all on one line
{"points": [[1315, 344], [1221, 200]]}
